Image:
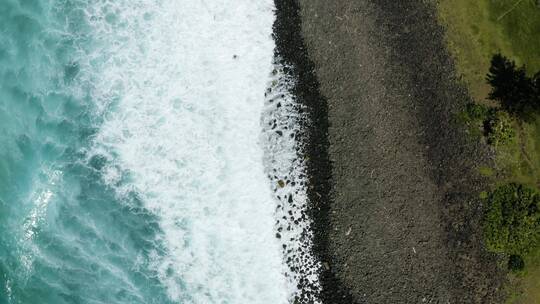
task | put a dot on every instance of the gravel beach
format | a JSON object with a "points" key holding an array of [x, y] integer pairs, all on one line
{"points": [[394, 177]]}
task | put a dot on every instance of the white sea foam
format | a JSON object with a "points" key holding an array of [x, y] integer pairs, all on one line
{"points": [[286, 169], [180, 85], [43, 192]]}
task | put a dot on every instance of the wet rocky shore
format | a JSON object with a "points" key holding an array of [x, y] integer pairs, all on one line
{"points": [[394, 179]]}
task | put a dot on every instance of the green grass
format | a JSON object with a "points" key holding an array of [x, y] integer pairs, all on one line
{"points": [[485, 171], [476, 30], [524, 287]]}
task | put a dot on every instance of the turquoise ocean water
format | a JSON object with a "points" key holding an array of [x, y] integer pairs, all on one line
{"points": [[130, 155], [64, 237]]}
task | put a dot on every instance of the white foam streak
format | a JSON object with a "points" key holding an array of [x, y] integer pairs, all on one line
{"points": [[40, 198], [181, 87], [286, 168]]}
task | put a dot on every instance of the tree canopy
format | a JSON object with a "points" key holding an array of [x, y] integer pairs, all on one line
{"points": [[517, 93], [512, 223]]}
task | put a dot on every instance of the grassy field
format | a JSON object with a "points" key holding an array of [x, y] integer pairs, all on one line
{"points": [[476, 30], [522, 287], [480, 28]]}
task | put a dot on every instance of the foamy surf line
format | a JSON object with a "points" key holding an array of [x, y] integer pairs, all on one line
{"points": [[286, 168], [180, 88]]}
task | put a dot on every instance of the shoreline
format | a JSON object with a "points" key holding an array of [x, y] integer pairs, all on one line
{"points": [[393, 179], [290, 48]]}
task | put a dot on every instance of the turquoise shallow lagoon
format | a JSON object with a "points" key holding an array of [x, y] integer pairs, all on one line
{"points": [[130, 159]]}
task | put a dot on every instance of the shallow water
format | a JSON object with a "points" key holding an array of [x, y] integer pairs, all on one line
{"points": [[131, 165]]}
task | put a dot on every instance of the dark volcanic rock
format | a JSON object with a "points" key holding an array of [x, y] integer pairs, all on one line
{"points": [[291, 50]]}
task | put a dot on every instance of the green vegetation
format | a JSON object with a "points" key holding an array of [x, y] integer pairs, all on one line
{"points": [[516, 263], [496, 125], [499, 128], [522, 287], [512, 224], [475, 116], [479, 29], [506, 115], [486, 171], [512, 221]]}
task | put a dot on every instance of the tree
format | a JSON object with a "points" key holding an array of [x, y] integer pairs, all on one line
{"points": [[517, 93], [498, 128], [516, 263], [512, 222]]}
